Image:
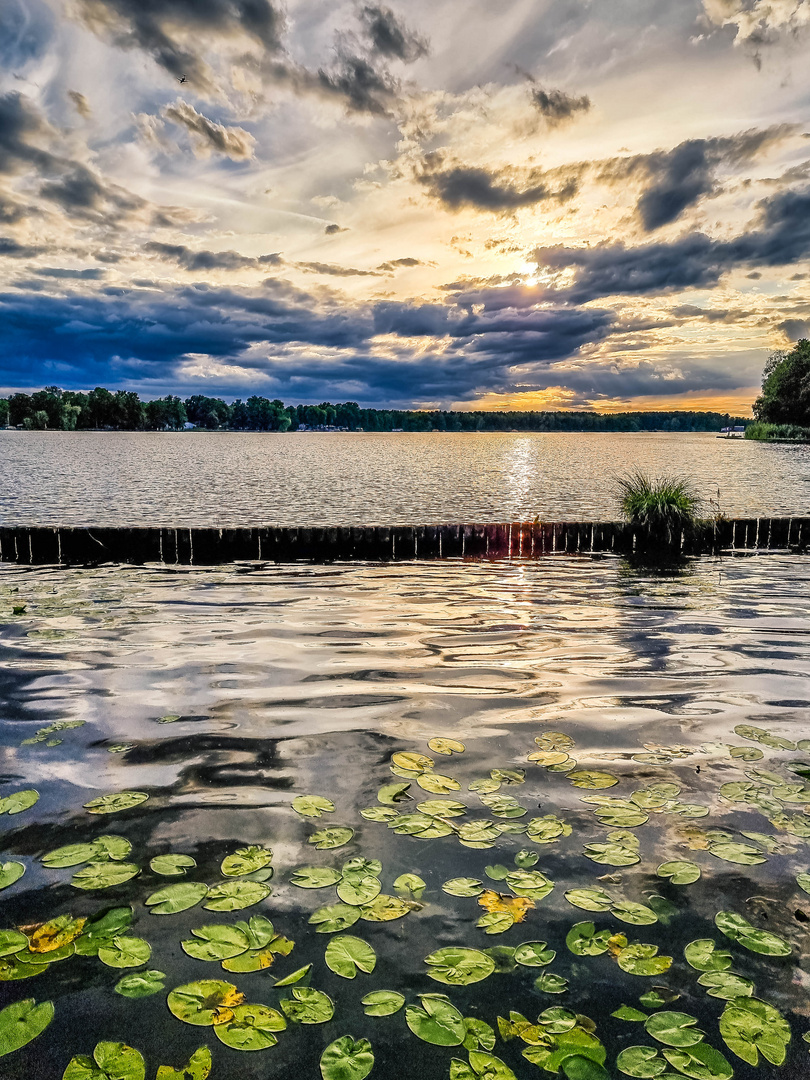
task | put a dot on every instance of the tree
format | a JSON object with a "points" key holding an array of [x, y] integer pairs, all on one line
{"points": [[3, 412], [785, 397]]}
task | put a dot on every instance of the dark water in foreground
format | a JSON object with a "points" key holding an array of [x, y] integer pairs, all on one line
{"points": [[309, 478], [304, 681]]}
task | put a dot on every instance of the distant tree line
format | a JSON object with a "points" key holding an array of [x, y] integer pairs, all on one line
{"points": [[122, 410]]}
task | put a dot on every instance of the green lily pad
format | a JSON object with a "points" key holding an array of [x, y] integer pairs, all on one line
{"points": [[12, 941], [253, 1027], [591, 778], [172, 865], [726, 985], [549, 983], [18, 801], [702, 1062], [639, 959], [744, 854], [584, 940], [216, 942], [627, 1012], [751, 1027], [334, 918], [235, 895], [110, 1061], [71, 855], [641, 1061], [679, 872], [384, 908], [383, 1002], [436, 783], [739, 929], [612, 854], [345, 1059], [9, 873], [379, 813], [673, 1028], [346, 955], [416, 763], [308, 1006], [635, 914], [589, 899], [462, 886], [102, 928], [534, 954], [703, 955], [203, 1003], [104, 875], [21, 1023], [314, 877], [437, 1021], [327, 839], [446, 746], [391, 794], [496, 922], [246, 860], [114, 804], [198, 1067], [140, 984], [408, 886], [457, 966], [658, 996], [359, 891], [547, 830], [125, 952], [505, 806], [174, 898], [117, 848], [294, 977], [530, 883], [312, 805]]}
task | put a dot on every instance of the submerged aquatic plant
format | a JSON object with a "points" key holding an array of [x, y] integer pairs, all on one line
{"points": [[662, 506]]}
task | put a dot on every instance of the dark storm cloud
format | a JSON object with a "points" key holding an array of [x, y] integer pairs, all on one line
{"points": [[498, 191], [82, 193], [22, 128], [358, 83], [780, 237], [11, 249], [391, 38], [557, 107], [90, 274], [196, 261], [679, 178], [208, 136], [175, 32]]}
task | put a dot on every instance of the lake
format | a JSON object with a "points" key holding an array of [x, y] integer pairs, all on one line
{"points": [[608, 840], [311, 478]]}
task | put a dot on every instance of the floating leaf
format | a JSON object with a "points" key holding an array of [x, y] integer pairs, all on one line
{"points": [[308, 1006], [345, 1059], [384, 908], [641, 1061], [246, 860], [12, 941], [442, 808], [589, 899], [702, 1062], [548, 757], [636, 914], [584, 940], [416, 763], [744, 854], [549, 983], [673, 1028], [295, 976], [437, 1022], [612, 854], [103, 875], [726, 985], [759, 941], [18, 801], [456, 966], [658, 996], [497, 872], [526, 859], [71, 855], [9, 873], [391, 794], [111, 1061], [590, 778], [803, 881], [176, 898], [102, 928], [140, 984], [446, 746], [252, 1027], [113, 804], [333, 918], [703, 955], [346, 955], [751, 1027], [410, 885], [125, 952], [505, 806], [554, 740], [359, 891], [496, 922], [502, 903], [437, 784], [312, 805], [358, 867], [627, 1012], [326, 839], [643, 960], [315, 877], [621, 817], [172, 865], [21, 1022], [534, 954], [217, 942], [198, 1067], [204, 1003], [679, 872], [531, 883], [464, 886], [378, 813], [383, 1002], [235, 895]]}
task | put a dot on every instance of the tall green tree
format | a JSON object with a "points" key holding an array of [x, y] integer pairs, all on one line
{"points": [[785, 397]]}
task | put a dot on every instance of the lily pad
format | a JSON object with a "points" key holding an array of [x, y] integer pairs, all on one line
{"points": [[549, 983], [457, 966], [592, 778], [744, 854], [216, 942], [359, 891], [334, 918], [383, 1002], [415, 763], [308, 1006], [410, 886], [737, 928], [140, 984], [71, 855], [246, 860], [312, 805], [437, 784], [702, 1062], [345, 1059], [583, 939], [252, 1027], [9, 873], [125, 952], [384, 908], [12, 941], [110, 1061], [437, 1021], [751, 1027], [315, 877], [174, 898], [446, 746], [726, 985], [641, 1061], [462, 886], [589, 899], [171, 865], [635, 914], [18, 801], [235, 895], [21, 1022], [679, 872], [639, 959], [534, 954], [391, 794], [114, 804], [204, 1003], [104, 875], [530, 883], [198, 1067], [346, 955], [673, 1028], [327, 839]]}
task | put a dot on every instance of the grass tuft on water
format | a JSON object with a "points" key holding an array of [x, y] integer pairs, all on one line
{"points": [[663, 506]]}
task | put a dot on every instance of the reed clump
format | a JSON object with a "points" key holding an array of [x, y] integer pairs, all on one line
{"points": [[662, 508], [763, 432]]}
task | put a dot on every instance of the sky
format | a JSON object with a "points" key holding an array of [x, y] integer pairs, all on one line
{"points": [[528, 204]]}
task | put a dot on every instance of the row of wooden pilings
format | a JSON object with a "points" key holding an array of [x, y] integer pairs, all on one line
{"points": [[379, 543]]}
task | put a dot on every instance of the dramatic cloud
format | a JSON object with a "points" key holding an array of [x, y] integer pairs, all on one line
{"points": [[759, 22], [557, 107], [22, 129], [334, 270], [395, 264], [680, 177], [362, 87], [457, 186], [781, 238], [196, 261], [80, 103], [389, 37], [208, 137]]}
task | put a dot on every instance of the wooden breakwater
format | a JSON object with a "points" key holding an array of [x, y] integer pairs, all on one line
{"points": [[379, 543]]}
